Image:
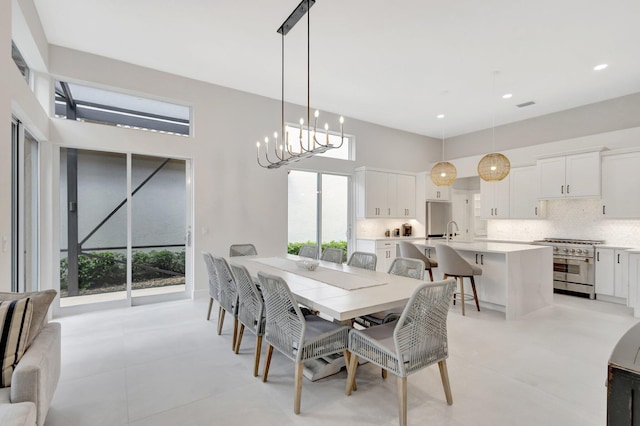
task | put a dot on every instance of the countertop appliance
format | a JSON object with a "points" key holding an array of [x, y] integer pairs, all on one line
{"points": [[573, 265], [438, 214], [406, 230]]}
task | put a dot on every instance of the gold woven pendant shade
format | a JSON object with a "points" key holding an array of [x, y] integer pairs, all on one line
{"points": [[493, 167], [443, 173]]}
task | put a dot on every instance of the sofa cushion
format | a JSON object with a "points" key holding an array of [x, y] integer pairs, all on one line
{"points": [[41, 301], [15, 319]]}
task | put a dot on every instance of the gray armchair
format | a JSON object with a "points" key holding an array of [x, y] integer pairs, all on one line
{"points": [[298, 337], [417, 340]]}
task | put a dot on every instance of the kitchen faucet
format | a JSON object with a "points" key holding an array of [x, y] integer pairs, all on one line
{"points": [[448, 233]]}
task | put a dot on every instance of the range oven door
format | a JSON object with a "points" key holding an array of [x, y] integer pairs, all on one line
{"points": [[580, 271], [574, 270]]}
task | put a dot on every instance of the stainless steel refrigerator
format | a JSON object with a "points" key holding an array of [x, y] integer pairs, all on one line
{"points": [[438, 214]]}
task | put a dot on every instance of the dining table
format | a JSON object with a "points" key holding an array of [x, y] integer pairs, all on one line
{"points": [[338, 291]]}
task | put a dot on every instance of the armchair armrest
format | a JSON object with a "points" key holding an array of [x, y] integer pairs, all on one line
{"points": [[36, 375]]}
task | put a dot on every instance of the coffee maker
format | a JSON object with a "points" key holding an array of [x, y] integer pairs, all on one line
{"points": [[406, 230]]}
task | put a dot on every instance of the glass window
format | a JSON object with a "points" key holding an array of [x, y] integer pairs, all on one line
{"points": [[20, 62], [83, 103]]}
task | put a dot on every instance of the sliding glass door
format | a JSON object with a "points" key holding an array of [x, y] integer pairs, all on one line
{"points": [[25, 209], [318, 210], [123, 227]]}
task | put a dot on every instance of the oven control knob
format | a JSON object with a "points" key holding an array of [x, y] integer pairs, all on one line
{"points": [[586, 252], [566, 250], [579, 251], [556, 249], [573, 251]]}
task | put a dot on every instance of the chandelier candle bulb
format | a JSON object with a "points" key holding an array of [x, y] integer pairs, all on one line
{"points": [[326, 130]]}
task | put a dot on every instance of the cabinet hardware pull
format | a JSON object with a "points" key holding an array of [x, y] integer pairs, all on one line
{"points": [[482, 259], [598, 256], [496, 211], [604, 209], [568, 188], [562, 189], [618, 257], [476, 258], [536, 211]]}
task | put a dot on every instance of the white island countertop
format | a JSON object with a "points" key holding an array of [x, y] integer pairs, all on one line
{"points": [[481, 246]]}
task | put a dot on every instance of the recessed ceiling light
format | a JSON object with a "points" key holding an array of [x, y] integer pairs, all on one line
{"points": [[440, 116], [507, 96], [600, 67]]}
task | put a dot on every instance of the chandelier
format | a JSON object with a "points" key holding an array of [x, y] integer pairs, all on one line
{"points": [[495, 166], [285, 149]]}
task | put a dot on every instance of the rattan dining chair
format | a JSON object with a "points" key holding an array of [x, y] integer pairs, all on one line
{"points": [[412, 268], [417, 340], [361, 259], [409, 250], [213, 284], [250, 310], [228, 295], [334, 255], [308, 251], [298, 337], [242, 250]]}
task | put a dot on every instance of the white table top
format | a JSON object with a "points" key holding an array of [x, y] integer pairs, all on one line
{"points": [[334, 301]]}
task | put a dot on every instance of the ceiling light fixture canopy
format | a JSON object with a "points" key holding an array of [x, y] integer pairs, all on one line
{"points": [[494, 167], [443, 173], [285, 150]]}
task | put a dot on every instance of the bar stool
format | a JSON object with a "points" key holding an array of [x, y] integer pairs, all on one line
{"points": [[453, 265], [409, 250]]}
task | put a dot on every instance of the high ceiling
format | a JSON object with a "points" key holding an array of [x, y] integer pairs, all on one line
{"points": [[398, 64]]}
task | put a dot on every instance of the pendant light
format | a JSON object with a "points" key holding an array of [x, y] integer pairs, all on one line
{"points": [[443, 173], [494, 167]]}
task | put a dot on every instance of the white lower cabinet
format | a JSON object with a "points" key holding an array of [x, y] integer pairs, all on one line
{"points": [[612, 272], [386, 252], [633, 271], [491, 284]]}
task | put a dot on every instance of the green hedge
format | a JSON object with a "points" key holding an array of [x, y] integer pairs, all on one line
{"points": [[109, 269], [294, 248]]}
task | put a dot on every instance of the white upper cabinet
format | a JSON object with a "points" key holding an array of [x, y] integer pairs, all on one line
{"points": [[523, 193], [385, 195], [494, 199], [621, 186], [435, 192], [575, 175], [372, 194], [406, 196]]}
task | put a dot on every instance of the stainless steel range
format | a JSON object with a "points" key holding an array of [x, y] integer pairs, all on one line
{"points": [[573, 264]]}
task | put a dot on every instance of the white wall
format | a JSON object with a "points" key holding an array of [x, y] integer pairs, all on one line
{"points": [[601, 117], [235, 201], [17, 98]]}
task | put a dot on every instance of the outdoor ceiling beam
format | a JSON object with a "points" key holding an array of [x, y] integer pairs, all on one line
{"points": [[71, 103]]}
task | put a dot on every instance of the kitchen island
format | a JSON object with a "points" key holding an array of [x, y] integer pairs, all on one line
{"points": [[516, 279]]}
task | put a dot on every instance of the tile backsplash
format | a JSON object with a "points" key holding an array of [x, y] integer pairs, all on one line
{"points": [[370, 228], [570, 218]]}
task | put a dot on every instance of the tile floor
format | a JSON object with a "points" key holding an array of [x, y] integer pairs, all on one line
{"points": [[164, 364]]}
